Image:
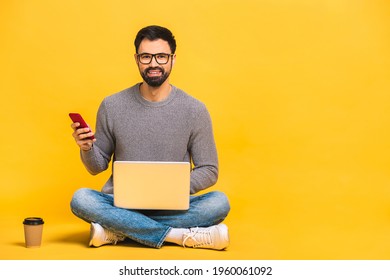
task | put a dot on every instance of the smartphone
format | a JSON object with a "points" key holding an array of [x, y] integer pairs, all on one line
{"points": [[76, 117]]}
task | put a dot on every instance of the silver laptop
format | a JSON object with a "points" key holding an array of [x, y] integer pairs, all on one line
{"points": [[151, 185]]}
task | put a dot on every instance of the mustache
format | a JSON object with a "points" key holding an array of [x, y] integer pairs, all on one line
{"points": [[154, 68]]}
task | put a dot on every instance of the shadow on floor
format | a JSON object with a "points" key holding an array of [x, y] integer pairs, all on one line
{"points": [[82, 238]]}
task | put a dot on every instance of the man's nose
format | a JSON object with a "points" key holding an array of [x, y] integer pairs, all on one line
{"points": [[154, 63]]}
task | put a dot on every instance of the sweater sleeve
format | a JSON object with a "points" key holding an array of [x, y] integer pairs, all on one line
{"points": [[98, 158], [203, 153]]}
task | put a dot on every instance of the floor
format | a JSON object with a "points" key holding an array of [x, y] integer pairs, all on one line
{"points": [[251, 239]]}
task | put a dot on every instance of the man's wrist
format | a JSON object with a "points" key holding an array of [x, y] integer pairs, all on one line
{"points": [[90, 148]]}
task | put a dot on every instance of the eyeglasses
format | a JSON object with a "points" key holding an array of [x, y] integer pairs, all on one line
{"points": [[161, 58]]}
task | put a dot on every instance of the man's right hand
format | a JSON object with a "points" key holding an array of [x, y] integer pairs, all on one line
{"points": [[81, 136]]}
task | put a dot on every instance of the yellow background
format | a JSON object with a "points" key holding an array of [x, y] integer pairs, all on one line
{"points": [[298, 91]]}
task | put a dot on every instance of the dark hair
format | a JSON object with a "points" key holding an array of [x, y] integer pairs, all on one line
{"points": [[153, 33]]}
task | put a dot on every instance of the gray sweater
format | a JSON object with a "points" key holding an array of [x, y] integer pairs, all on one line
{"points": [[179, 128]]}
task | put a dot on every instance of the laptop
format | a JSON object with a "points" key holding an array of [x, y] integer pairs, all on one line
{"points": [[151, 185]]}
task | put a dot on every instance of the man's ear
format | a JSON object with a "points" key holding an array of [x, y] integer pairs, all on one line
{"points": [[173, 59], [136, 59]]}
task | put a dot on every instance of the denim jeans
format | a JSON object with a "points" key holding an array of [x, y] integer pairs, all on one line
{"points": [[148, 227]]}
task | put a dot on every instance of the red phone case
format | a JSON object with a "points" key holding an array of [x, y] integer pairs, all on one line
{"points": [[76, 117]]}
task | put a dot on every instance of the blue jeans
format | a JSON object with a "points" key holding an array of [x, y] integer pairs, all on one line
{"points": [[148, 227]]}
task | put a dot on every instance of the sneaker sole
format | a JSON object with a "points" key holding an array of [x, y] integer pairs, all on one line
{"points": [[91, 234]]}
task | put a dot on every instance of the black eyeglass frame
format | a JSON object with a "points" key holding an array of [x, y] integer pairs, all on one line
{"points": [[155, 57]]}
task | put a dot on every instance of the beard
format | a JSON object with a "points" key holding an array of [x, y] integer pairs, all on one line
{"points": [[155, 81]]}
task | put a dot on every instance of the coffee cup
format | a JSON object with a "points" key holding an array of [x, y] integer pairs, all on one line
{"points": [[33, 227]]}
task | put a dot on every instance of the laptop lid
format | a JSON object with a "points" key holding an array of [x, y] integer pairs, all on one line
{"points": [[151, 185]]}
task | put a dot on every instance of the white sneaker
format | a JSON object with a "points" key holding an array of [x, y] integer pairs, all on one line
{"points": [[101, 236], [214, 237]]}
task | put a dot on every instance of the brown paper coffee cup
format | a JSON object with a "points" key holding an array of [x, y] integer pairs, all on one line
{"points": [[33, 227]]}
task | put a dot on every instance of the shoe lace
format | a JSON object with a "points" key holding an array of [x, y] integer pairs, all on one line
{"points": [[199, 238], [113, 237]]}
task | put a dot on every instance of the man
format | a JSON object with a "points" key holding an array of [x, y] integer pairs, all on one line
{"points": [[153, 121]]}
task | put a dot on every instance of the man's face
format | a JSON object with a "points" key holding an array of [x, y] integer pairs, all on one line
{"points": [[154, 73]]}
